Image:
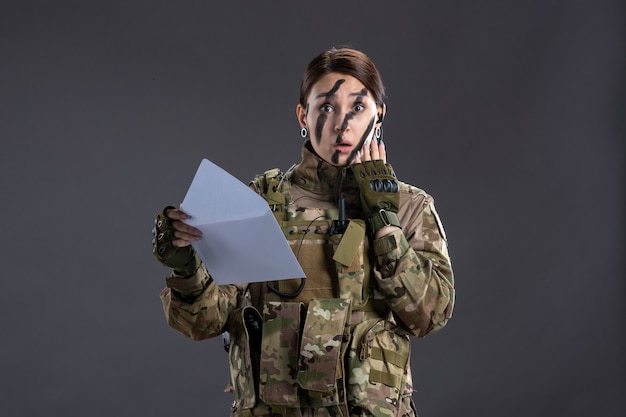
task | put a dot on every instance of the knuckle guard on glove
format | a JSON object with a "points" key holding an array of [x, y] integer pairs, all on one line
{"points": [[380, 192], [378, 186], [183, 260]]}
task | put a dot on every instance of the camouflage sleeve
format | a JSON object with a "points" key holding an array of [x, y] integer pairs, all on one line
{"points": [[196, 306], [413, 267]]}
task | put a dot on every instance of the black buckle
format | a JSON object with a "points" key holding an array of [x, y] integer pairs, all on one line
{"points": [[383, 214]]}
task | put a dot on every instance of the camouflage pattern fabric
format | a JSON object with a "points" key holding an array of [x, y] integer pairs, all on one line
{"points": [[241, 357], [321, 346], [377, 362], [353, 273], [407, 290], [279, 353]]}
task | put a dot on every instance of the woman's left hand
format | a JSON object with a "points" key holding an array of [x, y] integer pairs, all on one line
{"points": [[371, 151], [379, 187]]}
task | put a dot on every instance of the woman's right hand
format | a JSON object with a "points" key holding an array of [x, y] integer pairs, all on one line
{"points": [[183, 234], [171, 243]]}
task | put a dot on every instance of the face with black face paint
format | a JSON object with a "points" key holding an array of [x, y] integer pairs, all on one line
{"points": [[340, 115]]}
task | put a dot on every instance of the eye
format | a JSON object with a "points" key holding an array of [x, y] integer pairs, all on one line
{"points": [[326, 108], [359, 107]]}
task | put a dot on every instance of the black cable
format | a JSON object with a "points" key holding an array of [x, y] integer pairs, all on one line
{"points": [[302, 280]]}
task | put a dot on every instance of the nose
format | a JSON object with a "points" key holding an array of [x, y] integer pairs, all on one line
{"points": [[341, 121]]}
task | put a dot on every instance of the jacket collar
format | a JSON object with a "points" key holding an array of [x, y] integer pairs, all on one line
{"points": [[315, 174]]}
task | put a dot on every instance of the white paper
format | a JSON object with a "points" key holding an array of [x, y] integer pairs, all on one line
{"points": [[241, 240]]}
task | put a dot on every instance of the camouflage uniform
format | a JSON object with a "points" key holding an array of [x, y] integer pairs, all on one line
{"points": [[338, 345]]}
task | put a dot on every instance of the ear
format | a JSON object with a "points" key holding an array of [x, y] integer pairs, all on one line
{"points": [[381, 114], [301, 115]]}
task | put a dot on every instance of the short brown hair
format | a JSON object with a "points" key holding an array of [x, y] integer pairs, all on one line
{"points": [[345, 61]]}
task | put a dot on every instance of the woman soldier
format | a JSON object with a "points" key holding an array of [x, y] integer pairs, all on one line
{"points": [[373, 250]]}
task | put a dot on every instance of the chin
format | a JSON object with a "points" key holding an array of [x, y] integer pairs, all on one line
{"points": [[341, 162]]}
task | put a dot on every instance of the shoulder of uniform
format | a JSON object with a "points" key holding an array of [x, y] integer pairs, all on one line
{"points": [[414, 198], [412, 191], [260, 182]]}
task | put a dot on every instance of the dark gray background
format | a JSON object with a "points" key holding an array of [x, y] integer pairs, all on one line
{"points": [[509, 113]]}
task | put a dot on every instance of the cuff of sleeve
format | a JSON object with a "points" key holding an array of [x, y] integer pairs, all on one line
{"points": [[381, 219], [392, 242], [190, 285]]}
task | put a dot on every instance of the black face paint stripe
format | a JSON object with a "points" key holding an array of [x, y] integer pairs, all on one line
{"points": [[321, 120], [319, 126], [362, 141], [333, 90], [346, 119], [335, 158], [351, 114]]}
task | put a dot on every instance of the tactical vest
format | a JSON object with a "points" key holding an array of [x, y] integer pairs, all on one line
{"points": [[326, 341]]}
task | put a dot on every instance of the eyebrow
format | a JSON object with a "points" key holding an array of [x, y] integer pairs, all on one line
{"points": [[361, 93]]}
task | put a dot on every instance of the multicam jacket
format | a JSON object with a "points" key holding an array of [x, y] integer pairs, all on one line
{"points": [[336, 343]]}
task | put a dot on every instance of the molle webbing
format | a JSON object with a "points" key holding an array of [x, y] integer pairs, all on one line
{"points": [[336, 266], [386, 352], [314, 253], [345, 346]]}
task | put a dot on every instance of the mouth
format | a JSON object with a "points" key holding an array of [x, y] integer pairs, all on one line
{"points": [[342, 146]]}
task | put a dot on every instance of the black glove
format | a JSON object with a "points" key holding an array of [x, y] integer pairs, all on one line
{"points": [[380, 193], [184, 261]]}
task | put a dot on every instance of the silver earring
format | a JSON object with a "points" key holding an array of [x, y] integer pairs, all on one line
{"points": [[378, 132], [304, 132]]}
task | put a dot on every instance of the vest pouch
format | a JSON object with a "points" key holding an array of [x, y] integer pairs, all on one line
{"points": [[350, 253], [324, 342], [279, 353], [241, 356], [378, 364]]}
